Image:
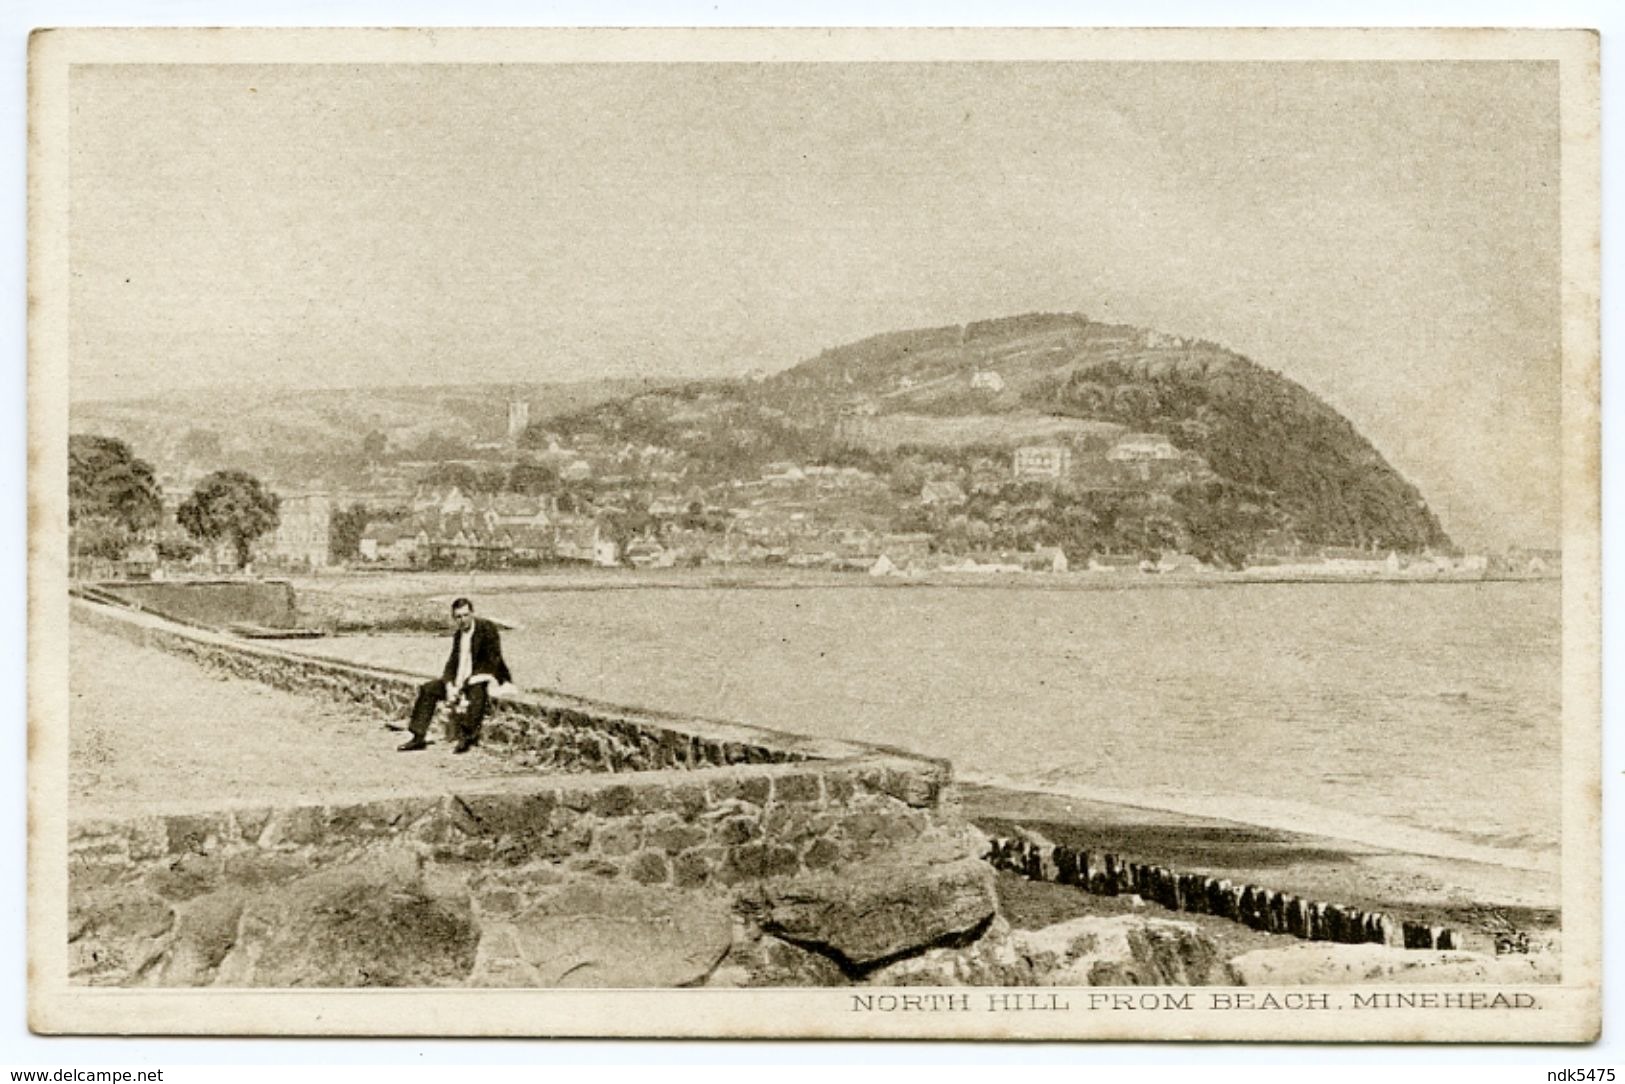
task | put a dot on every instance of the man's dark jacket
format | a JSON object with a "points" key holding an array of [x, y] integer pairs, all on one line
{"points": [[486, 652]]}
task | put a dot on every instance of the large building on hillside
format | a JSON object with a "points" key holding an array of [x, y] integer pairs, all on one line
{"points": [[1143, 448], [1043, 461], [304, 528]]}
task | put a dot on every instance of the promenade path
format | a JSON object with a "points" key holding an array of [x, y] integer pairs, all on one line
{"points": [[149, 731]]}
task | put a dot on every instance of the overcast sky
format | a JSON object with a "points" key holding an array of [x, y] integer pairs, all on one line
{"points": [[1386, 235]]}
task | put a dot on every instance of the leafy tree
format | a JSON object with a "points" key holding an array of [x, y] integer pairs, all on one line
{"points": [[907, 476], [1224, 521], [532, 479], [469, 479], [101, 538], [107, 482], [445, 475], [348, 524], [232, 506], [912, 518], [176, 549]]}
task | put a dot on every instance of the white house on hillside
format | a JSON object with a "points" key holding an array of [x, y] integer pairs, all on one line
{"points": [[1135, 447], [1043, 461], [987, 380]]}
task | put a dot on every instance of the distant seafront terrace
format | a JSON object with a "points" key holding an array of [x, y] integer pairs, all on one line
{"points": [[771, 523]]}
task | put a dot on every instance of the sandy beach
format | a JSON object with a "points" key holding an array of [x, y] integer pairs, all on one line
{"points": [[1482, 900]]}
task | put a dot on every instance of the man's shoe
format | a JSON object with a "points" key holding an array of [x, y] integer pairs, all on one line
{"points": [[412, 746], [464, 746]]}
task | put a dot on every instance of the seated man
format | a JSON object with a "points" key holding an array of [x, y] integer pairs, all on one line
{"points": [[475, 664]]}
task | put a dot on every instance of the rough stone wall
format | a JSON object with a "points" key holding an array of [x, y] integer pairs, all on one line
{"points": [[604, 881], [553, 734], [215, 604]]}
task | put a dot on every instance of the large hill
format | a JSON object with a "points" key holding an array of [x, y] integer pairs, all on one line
{"points": [[1271, 458], [1154, 442]]}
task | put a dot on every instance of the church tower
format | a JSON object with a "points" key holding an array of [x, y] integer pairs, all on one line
{"points": [[518, 419]]}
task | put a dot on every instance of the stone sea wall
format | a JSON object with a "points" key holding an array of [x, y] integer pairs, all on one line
{"points": [[550, 732], [581, 880], [213, 603], [644, 850]]}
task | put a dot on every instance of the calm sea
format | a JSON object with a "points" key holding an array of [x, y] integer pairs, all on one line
{"points": [[1425, 717]]}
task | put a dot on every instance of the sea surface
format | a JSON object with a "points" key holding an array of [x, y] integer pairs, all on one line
{"points": [[1420, 716]]}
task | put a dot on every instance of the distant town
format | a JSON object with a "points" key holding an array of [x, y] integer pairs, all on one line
{"points": [[533, 498]]}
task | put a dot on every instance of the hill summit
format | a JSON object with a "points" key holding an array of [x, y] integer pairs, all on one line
{"points": [[1047, 429]]}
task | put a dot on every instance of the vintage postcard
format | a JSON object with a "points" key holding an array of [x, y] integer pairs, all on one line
{"points": [[976, 534]]}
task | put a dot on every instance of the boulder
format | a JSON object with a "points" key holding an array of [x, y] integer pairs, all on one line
{"points": [[862, 915], [622, 935], [370, 923], [1326, 964], [116, 934], [204, 933], [993, 959], [1121, 950], [498, 962], [122, 913], [764, 960]]}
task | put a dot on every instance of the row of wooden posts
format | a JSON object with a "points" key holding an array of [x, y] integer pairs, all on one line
{"points": [[1252, 906]]}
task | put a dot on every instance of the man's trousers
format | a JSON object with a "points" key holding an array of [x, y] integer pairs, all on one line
{"points": [[430, 696]]}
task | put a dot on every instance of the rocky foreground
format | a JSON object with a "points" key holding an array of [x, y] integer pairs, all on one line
{"points": [[394, 919], [498, 890]]}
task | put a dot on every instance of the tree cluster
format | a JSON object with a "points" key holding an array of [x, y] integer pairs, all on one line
{"points": [[230, 506]]}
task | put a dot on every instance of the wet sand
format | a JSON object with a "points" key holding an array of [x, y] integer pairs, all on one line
{"points": [[1479, 899]]}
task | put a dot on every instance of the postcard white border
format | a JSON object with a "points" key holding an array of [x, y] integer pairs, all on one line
{"points": [[1570, 1012]]}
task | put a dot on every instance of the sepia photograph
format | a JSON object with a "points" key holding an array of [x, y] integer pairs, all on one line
{"points": [[937, 534]]}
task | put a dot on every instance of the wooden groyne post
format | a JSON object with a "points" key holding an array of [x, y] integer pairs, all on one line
{"points": [[1258, 908]]}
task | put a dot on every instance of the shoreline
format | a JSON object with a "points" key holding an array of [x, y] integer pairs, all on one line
{"points": [[1346, 828], [1480, 899], [405, 582], [1352, 830]]}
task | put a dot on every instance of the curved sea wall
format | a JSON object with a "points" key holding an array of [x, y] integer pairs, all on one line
{"points": [[548, 731], [643, 850]]}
